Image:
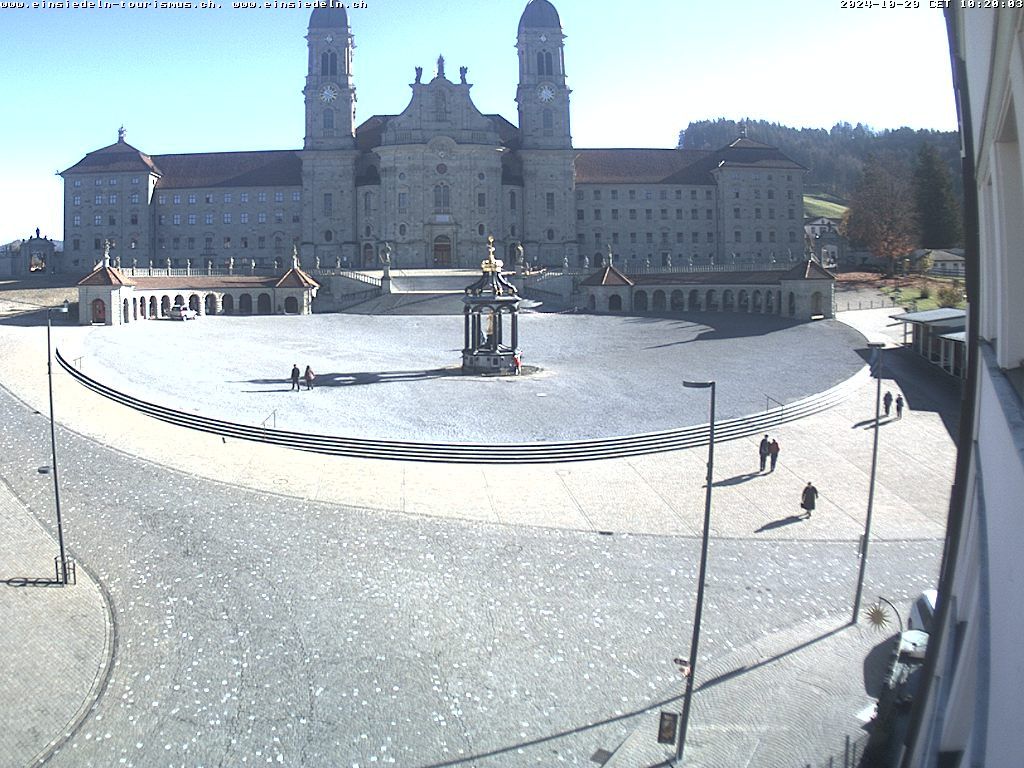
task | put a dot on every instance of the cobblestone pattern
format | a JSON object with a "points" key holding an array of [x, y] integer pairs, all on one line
{"points": [[55, 643], [398, 378], [258, 629]]}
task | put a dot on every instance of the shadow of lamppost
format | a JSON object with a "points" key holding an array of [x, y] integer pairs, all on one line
{"points": [[698, 610], [63, 564], [876, 364]]}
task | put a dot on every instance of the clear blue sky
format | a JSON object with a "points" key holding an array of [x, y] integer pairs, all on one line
{"points": [[215, 80]]}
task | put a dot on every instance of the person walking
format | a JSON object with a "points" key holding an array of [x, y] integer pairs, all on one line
{"points": [[295, 377], [887, 402], [808, 497], [309, 376], [773, 453], [899, 406], [762, 451], [517, 363]]}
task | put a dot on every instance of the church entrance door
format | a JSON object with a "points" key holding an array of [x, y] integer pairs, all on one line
{"points": [[442, 251]]}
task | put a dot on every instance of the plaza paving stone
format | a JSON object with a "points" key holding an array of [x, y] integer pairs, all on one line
{"points": [[298, 627], [397, 377]]}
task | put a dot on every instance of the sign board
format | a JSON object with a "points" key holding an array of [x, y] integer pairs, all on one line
{"points": [[667, 728]]}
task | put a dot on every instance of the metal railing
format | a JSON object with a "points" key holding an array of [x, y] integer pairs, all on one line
{"points": [[850, 757]]}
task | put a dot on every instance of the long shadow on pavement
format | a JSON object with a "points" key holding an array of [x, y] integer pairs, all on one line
{"points": [[736, 479], [926, 387], [780, 523], [361, 377], [711, 682], [29, 581]]}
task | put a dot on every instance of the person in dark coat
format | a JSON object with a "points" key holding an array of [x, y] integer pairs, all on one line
{"points": [[762, 451], [309, 376], [807, 498], [773, 453], [899, 406], [295, 377], [887, 402]]}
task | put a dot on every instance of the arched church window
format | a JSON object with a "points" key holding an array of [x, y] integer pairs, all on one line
{"points": [[548, 69], [547, 122], [328, 120], [333, 64], [440, 107], [401, 230], [442, 199], [325, 63], [367, 202], [512, 200]]}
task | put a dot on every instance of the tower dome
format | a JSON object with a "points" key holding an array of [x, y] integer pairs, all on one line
{"points": [[539, 13], [329, 18]]}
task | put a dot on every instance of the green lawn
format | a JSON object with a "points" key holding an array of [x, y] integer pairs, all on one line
{"points": [[816, 206], [910, 298]]}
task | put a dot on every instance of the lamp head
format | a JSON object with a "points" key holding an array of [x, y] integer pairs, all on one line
{"points": [[698, 384]]}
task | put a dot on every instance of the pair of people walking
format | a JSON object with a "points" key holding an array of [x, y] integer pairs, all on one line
{"points": [[887, 402], [309, 376], [768, 450]]}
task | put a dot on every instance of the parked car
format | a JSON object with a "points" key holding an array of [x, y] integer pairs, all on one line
{"points": [[181, 312], [922, 611]]}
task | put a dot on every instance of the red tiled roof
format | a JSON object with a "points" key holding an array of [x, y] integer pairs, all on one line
{"points": [[296, 278], [607, 276], [808, 270], [271, 168], [117, 157], [105, 275], [752, 154], [641, 166], [203, 282]]}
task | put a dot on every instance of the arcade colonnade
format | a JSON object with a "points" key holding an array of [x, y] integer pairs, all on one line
{"points": [[107, 296], [145, 305], [769, 301], [806, 291]]}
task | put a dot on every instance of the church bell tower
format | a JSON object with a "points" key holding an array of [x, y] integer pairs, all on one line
{"points": [[330, 94], [543, 96]]}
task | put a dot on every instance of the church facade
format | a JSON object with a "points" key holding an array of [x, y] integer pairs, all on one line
{"points": [[434, 181]]}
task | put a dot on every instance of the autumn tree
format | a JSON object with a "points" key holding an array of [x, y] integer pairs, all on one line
{"points": [[881, 215], [938, 213]]}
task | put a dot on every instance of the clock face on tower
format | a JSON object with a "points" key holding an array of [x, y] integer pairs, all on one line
{"points": [[546, 94], [328, 94]]}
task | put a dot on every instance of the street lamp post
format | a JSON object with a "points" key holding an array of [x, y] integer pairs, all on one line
{"points": [[876, 347], [698, 610], [53, 443]]}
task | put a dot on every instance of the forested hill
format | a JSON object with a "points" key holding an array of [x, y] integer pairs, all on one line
{"points": [[834, 157]]}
